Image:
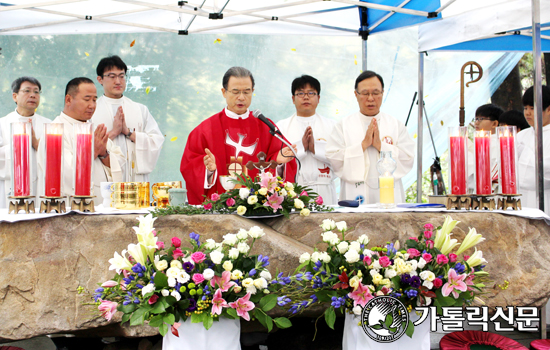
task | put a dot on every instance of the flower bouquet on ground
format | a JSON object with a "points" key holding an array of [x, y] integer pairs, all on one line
{"points": [[166, 286], [424, 272], [264, 195]]}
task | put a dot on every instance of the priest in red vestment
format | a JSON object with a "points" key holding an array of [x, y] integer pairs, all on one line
{"points": [[234, 132]]}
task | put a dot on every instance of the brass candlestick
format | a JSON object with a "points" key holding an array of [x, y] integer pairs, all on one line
{"points": [[18, 203], [83, 203], [483, 201], [47, 204], [458, 202], [509, 201]]}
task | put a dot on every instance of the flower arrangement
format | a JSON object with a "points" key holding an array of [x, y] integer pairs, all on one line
{"points": [[266, 194], [204, 281], [425, 272]]}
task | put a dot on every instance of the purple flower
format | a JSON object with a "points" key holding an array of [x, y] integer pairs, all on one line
{"points": [[252, 272], [411, 293], [192, 305], [460, 268], [406, 278], [195, 236], [188, 267], [415, 282]]}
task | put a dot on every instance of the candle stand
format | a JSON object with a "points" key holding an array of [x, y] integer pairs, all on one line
{"points": [[483, 201], [458, 202], [509, 201], [47, 204], [83, 203], [18, 203]]}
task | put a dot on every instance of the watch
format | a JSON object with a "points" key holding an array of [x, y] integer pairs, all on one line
{"points": [[129, 133], [105, 156]]}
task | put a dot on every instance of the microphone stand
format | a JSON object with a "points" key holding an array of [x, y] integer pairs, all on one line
{"points": [[276, 134]]}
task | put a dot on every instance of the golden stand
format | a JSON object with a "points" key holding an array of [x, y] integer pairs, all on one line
{"points": [[21, 203], [455, 201], [508, 201], [80, 203], [483, 201], [47, 204]]}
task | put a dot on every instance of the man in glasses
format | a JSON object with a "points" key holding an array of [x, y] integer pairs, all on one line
{"points": [[130, 124], [225, 142], [309, 132], [26, 95], [355, 145]]}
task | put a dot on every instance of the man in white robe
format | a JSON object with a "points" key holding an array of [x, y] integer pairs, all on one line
{"points": [[354, 146], [527, 175], [309, 132], [26, 95], [130, 124], [80, 102]]}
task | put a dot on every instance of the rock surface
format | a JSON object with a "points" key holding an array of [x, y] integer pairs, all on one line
{"points": [[44, 261]]}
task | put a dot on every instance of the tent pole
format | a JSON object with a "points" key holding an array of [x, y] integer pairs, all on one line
{"points": [[364, 58], [537, 92], [420, 127]]}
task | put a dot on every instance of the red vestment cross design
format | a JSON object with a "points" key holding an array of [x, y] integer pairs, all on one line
{"points": [[235, 165]]}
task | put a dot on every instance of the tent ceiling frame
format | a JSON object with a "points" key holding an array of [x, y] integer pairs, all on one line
{"points": [[383, 19], [29, 6], [444, 6], [174, 8], [384, 7], [267, 8]]}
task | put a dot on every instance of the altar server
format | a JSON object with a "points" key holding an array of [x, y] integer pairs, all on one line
{"points": [[231, 133], [354, 146], [130, 124], [310, 131], [26, 95], [527, 175], [80, 103]]}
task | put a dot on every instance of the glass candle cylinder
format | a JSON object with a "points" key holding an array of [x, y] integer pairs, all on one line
{"points": [[53, 133], [20, 154], [508, 161], [482, 143], [83, 158], [386, 165], [458, 159]]}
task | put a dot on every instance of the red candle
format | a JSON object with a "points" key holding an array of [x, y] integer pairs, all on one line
{"points": [[54, 144], [508, 164], [483, 164], [21, 178], [458, 165], [83, 176]]}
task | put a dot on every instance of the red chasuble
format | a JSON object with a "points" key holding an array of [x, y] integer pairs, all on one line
{"points": [[225, 138]]}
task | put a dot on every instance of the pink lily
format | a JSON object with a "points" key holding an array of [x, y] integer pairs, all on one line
{"points": [[274, 201], [242, 306], [361, 295], [268, 181], [109, 284], [218, 303], [455, 282], [224, 282], [108, 309]]}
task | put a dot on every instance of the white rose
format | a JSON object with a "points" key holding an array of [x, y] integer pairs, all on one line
{"points": [[165, 292], [262, 191], [242, 234], [210, 244], [305, 212], [173, 272], [256, 232], [413, 264], [161, 265], [175, 263], [176, 295], [219, 247], [428, 284], [171, 282], [390, 273], [244, 192], [236, 274], [252, 289], [148, 289], [357, 310], [324, 257], [252, 200], [373, 273], [315, 256], [260, 283], [243, 247], [328, 236], [265, 274], [304, 257], [230, 239], [208, 274], [289, 186], [183, 277], [216, 257], [247, 282], [355, 246], [334, 241], [363, 239], [328, 225], [291, 194], [227, 265], [376, 265], [233, 253], [351, 256], [343, 247], [283, 192], [241, 209], [341, 226], [298, 204], [367, 252], [427, 275], [421, 263], [406, 256]]}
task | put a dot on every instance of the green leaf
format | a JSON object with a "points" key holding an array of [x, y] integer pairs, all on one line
{"points": [[269, 322], [389, 320], [444, 301], [161, 281], [207, 322], [158, 308], [392, 330], [169, 318], [231, 312], [268, 302], [183, 304], [138, 317], [163, 329], [330, 317], [125, 318], [261, 317], [396, 282], [156, 321], [410, 329], [196, 318], [283, 322], [127, 309], [170, 300], [325, 296], [376, 326]]}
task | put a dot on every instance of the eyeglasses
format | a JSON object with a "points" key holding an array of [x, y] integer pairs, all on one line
{"points": [[480, 119], [374, 93], [301, 94], [246, 92], [113, 76], [29, 91]]}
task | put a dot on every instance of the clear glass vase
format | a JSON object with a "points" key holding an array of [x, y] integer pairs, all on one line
{"points": [[386, 165]]}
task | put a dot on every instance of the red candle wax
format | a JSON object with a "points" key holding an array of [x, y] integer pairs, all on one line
{"points": [[21, 178], [83, 165], [507, 165], [458, 165], [54, 144], [483, 165]]}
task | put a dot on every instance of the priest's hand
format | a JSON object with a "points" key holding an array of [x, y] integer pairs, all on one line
{"points": [[376, 143], [119, 124], [209, 160], [305, 139], [35, 141], [286, 155], [367, 141], [100, 141]]}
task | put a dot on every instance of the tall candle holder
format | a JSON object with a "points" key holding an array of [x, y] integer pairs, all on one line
{"points": [[21, 197], [458, 168], [483, 197], [83, 157], [508, 168], [53, 141]]}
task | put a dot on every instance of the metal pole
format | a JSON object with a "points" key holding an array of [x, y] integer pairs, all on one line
{"points": [[364, 65], [420, 127], [537, 92]]}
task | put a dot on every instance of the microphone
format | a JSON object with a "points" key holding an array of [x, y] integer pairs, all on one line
{"points": [[273, 129]]}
